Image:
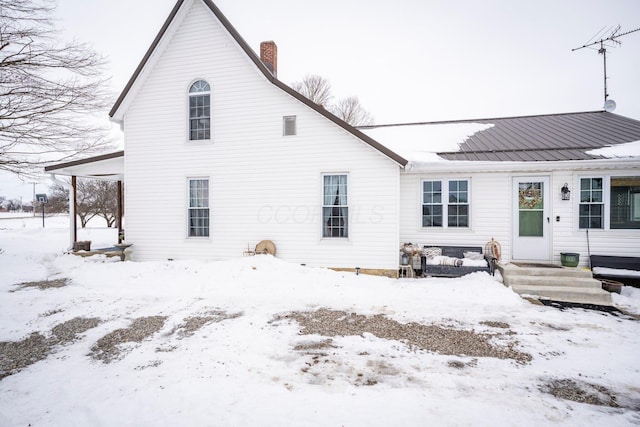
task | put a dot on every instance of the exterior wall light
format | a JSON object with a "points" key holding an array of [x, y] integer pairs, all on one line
{"points": [[565, 192]]}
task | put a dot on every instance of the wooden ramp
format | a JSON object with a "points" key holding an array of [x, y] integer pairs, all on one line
{"points": [[552, 282], [119, 250]]}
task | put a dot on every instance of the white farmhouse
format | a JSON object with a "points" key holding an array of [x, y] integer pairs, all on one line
{"points": [[219, 155]]}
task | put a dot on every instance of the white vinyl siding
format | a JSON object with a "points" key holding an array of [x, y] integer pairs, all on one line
{"points": [[262, 186], [491, 200]]}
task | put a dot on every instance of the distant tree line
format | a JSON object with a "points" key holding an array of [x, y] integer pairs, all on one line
{"points": [[14, 205]]}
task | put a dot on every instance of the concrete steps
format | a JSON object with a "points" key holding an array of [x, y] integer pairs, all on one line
{"points": [[566, 294], [551, 281], [555, 283]]}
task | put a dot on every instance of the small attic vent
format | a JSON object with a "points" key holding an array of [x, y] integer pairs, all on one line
{"points": [[288, 125]]}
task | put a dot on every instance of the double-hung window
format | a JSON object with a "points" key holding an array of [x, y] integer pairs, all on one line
{"points": [[198, 215], [445, 199], [458, 208], [199, 111], [335, 209], [432, 203], [591, 209]]}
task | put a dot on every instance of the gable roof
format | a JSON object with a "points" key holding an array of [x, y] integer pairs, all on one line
{"points": [[551, 137], [262, 68]]}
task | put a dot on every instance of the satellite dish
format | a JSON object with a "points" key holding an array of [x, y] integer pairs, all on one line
{"points": [[609, 105]]}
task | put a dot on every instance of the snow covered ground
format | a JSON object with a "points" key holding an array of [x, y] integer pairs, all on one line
{"points": [[246, 364]]}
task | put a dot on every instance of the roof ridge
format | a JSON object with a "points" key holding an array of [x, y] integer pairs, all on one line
{"points": [[438, 122], [263, 69]]}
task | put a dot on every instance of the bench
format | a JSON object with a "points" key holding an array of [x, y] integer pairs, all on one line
{"points": [[624, 269], [455, 271]]}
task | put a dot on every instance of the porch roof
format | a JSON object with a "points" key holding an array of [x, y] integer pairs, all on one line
{"points": [[106, 166]]}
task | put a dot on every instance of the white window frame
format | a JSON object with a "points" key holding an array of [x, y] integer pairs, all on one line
{"points": [[444, 203], [191, 208], [423, 204], [191, 95], [604, 203], [324, 226]]}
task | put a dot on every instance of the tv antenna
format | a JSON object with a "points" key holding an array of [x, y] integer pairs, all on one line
{"points": [[610, 41]]}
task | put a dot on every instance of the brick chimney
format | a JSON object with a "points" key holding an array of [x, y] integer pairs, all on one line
{"points": [[269, 56]]}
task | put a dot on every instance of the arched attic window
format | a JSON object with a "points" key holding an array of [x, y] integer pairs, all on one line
{"points": [[199, 111]]}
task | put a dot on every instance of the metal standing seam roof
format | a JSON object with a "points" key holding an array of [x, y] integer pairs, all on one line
{"points": [[551, 137]]}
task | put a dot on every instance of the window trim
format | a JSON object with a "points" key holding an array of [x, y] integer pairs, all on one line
{"points": [[444, 203], [467, 204], [423, 204], [604, 204], [188, 109], [322, 206], [190, 208]]}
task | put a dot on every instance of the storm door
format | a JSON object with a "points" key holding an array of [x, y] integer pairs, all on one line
{"points": [[531, 222]]}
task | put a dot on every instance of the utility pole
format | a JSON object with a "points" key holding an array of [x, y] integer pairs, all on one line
{"points": [[33, 200], [612, 40]]}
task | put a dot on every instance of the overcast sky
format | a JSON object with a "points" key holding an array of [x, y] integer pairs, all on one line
{"points": [[407, 60]]}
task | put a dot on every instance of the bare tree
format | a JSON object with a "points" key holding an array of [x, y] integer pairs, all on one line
{"points": [[93, 198], [351, 111], [85, 190], [48, 90], [316, 88], [106, 201], [58, 199], [97, 198]]}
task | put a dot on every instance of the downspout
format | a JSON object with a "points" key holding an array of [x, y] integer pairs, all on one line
{"points": [[119, 213], [73, 232]]}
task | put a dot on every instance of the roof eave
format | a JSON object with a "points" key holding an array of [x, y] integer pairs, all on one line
{"points": [[108, 156], [108, 166], [506, 166], [261, 67]]}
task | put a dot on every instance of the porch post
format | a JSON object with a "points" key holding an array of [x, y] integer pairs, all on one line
{"points": [[120, 211], [73, 208]]}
